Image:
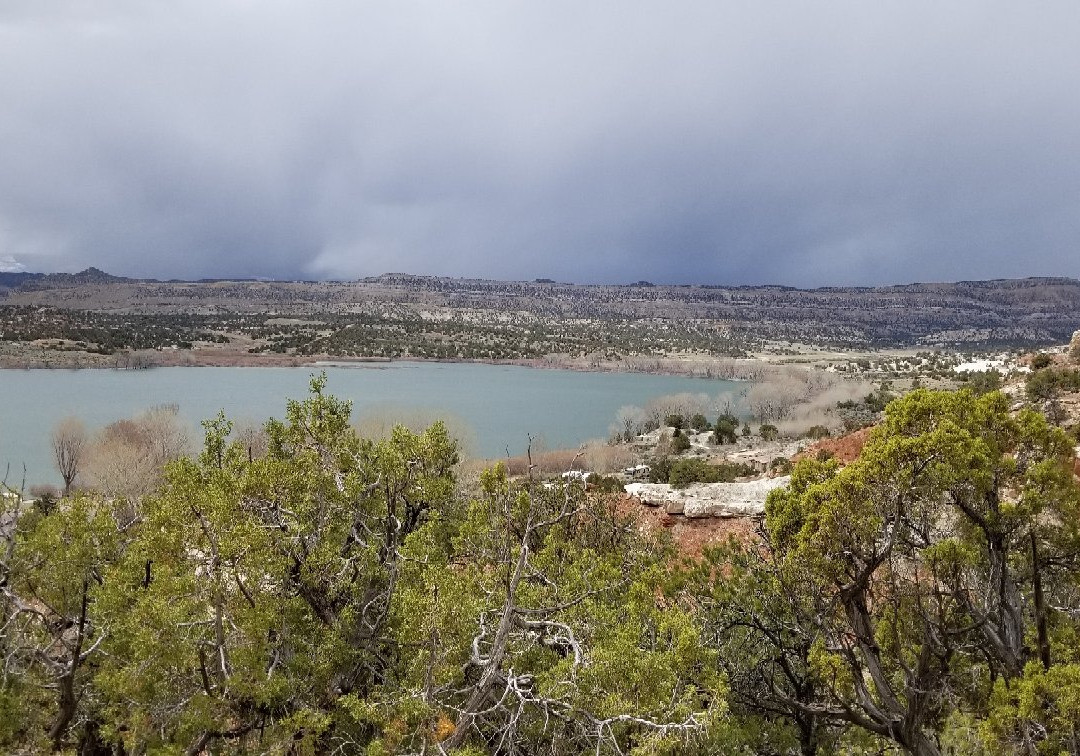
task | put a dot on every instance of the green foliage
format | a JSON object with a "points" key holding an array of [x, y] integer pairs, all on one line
{"points": [[660, 469], [683, 472], [1037, 713], [564, 601], [46, 500], [1046, 384], [605, 484], [1041, 360], [338, 594], [53, 575], [699, 423], [687, 471], [938, 543], [725, 429], [675, 421], [981, 381], [781, 465], [873, 403], [768, 432], [270, 584], [680, 442], [878, 400]]}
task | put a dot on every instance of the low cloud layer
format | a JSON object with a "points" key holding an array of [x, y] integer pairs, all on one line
{"points": [[716, 142]]}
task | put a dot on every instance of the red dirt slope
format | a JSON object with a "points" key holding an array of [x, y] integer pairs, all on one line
{"points": [[845, 449], [691, 536]]}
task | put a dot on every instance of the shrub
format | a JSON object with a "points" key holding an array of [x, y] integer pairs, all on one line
{"points": [[699, 422], [817, 432], [877, 400], [675, 421], [769, 432], [1045, 384], [686, 471], [1040, 361], [659, 470], [781, 465], [982, 381], [680, 443], [605, 484], [45, 498], [724, 430]]}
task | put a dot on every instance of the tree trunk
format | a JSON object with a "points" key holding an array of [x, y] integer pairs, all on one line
{"points": [[920, 745], [808, 742], [66, 711], [1007, 619], [91, 744], [1040, 604], [67, 701]]}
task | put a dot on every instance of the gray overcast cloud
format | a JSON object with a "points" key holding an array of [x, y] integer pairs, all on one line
{"points": [[717, 142]]}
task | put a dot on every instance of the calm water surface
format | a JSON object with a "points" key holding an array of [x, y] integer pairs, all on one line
{"points": [[500, 404]]}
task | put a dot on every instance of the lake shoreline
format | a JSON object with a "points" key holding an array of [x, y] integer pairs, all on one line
{"points": [[692, 366]]}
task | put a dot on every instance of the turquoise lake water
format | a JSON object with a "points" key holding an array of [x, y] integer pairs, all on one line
{"points": [[501, 405]]}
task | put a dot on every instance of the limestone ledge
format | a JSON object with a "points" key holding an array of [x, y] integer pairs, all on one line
{"points": [[739, 499]]}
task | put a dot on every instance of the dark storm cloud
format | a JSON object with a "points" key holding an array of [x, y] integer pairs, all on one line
{"points": [[799, 143]]}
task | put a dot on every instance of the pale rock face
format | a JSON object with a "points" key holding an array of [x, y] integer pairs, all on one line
{"points": [[741, 499], [1074, 347]]}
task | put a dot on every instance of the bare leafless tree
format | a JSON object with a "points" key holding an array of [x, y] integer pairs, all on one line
{"points": [[127, 458], [69, 442], [252, 436], [629, 422]]}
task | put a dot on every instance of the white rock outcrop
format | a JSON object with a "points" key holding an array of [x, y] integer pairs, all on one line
{"points": [[740, 499]]}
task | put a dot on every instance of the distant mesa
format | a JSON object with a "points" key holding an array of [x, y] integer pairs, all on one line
{"points": [[94, 275], [90, 276], [991, 314], [10, 280]]}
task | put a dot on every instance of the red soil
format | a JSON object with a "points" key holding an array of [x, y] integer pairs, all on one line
{"points": [[845, 449], [691, 536]]}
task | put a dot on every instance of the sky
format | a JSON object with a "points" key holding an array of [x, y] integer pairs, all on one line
{"points": [[678, 141]]}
